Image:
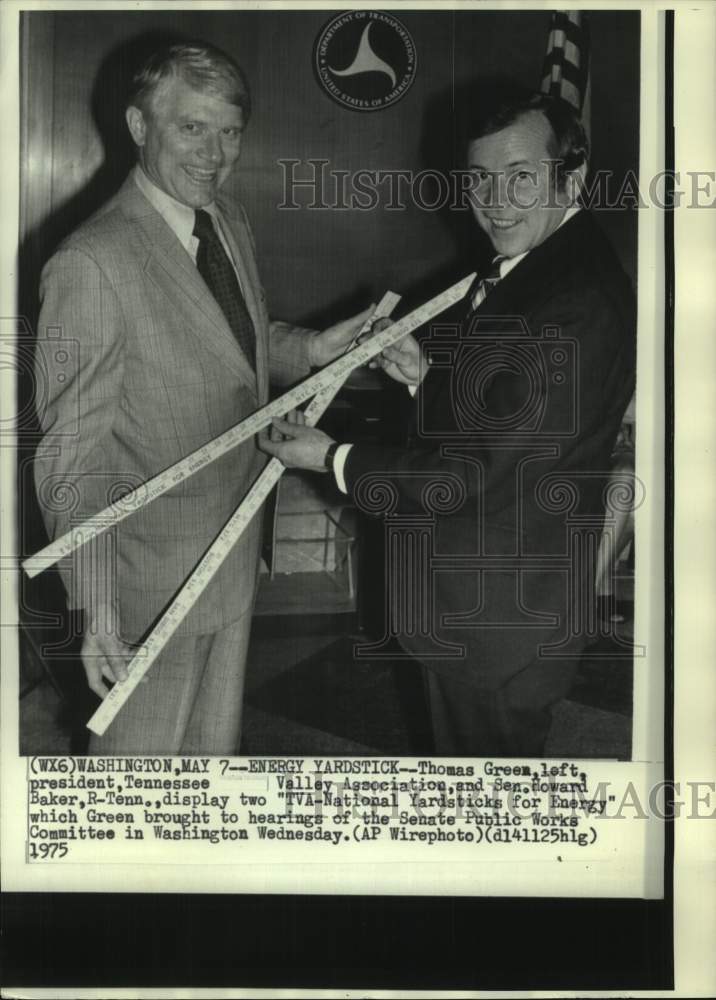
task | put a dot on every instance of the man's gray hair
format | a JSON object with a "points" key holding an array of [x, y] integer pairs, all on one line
{"points": [[204, 67]]}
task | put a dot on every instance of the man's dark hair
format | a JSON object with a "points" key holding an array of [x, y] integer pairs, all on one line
{"points": [[202, 66], [568, 146]]}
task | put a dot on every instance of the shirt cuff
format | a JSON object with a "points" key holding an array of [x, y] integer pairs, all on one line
{"points": [[339, 464]]}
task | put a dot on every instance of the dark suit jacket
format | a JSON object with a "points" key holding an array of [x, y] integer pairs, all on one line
{"points": [[146, 370], [515, 422]]}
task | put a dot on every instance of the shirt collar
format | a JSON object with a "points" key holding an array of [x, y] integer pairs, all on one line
{"points": [[179, 218], [511, 262]]}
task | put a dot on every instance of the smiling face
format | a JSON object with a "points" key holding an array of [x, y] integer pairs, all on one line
{"points": [[188, 141], [514, 198]]}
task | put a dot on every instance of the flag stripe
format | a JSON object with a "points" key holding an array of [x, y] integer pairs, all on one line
{"points": [[566, 65], [571, 53]]}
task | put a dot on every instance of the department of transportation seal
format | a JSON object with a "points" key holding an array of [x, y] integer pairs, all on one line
{"points": [[365, 59]]}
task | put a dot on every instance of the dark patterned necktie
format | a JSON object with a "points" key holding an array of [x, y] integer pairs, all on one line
{"points": [[485, 284], [218, 272]]}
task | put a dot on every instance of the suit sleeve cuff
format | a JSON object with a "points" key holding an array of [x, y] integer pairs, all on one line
{"points": [[339, 464]]}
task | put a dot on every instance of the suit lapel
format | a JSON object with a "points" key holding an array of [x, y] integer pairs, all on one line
{"points": [[505, 305], [237, 236], [171, 268], [538, 268], [241, 250]]}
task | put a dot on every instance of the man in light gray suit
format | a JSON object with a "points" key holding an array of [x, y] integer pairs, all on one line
{"points": [[161, 293]]}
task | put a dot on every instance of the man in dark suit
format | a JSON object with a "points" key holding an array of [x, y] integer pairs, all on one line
{"points": [[515, 420], [160, 292]]}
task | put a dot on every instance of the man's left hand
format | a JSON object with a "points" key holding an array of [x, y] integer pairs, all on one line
{"points": [[297, 446], [329, 345]]}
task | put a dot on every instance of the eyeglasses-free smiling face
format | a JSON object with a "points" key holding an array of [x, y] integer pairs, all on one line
{"points": [[513, 196], [188, 141]]}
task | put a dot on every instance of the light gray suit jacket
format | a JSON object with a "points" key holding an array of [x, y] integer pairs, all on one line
{"points": [[137, 367]]}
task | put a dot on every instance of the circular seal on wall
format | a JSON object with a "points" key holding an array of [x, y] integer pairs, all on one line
{"points": [[365, 59]]}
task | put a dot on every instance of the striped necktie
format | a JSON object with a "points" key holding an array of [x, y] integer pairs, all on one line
{"points": [[218, 272], [482, 287]]}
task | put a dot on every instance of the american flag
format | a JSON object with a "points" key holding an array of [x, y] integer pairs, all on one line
{"points": [[565, 71]]}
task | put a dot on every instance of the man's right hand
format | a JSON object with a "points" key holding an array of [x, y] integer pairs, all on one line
{"points": [[402, 361], [104, 655]]}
